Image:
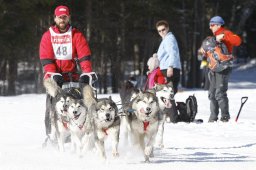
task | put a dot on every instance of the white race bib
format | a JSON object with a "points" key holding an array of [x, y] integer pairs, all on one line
{"points": [[62, 44]]}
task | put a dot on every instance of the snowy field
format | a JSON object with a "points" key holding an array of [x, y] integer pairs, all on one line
{"points": [[191, 146]]}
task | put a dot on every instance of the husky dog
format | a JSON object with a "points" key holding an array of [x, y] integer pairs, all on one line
{"points": [[128, 92], [143, 118], [58, 112], [165, 95], [80, 125], [106, 121]]}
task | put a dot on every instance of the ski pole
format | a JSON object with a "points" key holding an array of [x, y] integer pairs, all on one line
{"points": [[243, 100]]}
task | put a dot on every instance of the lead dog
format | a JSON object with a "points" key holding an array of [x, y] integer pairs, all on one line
{"points": [[80, 125], [106, 121], [58, 112], [143, 119]]}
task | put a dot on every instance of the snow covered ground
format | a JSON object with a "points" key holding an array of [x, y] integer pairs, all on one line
{"points": [[205, 146]]}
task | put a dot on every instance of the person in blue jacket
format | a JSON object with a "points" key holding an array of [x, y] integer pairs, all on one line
{"points": [[169, 57], [168, 54]]}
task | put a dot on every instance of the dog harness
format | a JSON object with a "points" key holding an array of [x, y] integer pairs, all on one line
{"points": [[115, 123], [79, 126]]}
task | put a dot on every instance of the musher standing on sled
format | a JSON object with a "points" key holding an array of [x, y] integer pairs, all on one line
{"points": [[60, 48], [219, 79]]}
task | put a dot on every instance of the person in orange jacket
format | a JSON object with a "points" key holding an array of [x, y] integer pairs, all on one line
{"points": [[219, 78]]}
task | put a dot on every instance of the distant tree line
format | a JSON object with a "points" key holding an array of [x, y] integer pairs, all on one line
{"points": [[121, 35]]}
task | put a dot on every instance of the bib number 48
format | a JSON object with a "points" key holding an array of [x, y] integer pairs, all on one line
{"points": [[61, 51]]}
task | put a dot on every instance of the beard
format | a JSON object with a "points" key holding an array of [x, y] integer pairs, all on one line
{"points": [[62, 26]]}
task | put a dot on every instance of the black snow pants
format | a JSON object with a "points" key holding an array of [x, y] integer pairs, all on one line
{"points": [[217, 94]]}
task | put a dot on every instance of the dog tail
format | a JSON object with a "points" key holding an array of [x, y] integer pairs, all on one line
{"points": [[51, 87], [88, 95]]}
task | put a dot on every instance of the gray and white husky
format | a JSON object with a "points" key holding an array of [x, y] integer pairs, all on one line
{"points": [[106, 121], [58, 112], [143, 119], [165, 94], [80, 126]]}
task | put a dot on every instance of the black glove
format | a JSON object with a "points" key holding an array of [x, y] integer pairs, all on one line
{"points": [[59, 79], [88, 78]]}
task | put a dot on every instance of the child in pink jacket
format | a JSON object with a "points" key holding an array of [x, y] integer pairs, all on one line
{"points": [[154, 74]]}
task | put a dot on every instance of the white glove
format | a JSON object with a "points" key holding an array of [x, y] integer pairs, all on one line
{"points": [[219, 37]]}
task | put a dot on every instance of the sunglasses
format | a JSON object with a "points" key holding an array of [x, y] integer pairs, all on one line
{"points": [[162, 30], [212, 25]]}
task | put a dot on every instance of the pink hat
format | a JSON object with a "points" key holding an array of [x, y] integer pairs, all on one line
{"points": [[61, 10]]}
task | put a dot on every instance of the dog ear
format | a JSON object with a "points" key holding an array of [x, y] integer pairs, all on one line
{"points": [[140, 93], [110, 98], [155, 86], [51, 87], [139, 96], [113, 104], [81, 102]]}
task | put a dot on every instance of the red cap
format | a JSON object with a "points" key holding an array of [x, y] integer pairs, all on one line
{"points": [[61, 10]]}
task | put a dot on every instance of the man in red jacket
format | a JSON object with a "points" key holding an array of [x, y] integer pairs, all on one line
{"points": [[218, 78], [62, 47]]}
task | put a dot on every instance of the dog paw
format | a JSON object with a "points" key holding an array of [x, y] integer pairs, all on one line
{"points": [[115, 154], [168, 119], [61, 150], [147, 159], [148, 151], [151, 154], [103, 159], [160, 145]]}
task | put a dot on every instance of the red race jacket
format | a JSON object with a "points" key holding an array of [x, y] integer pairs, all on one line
{"points": [[79, 49]]}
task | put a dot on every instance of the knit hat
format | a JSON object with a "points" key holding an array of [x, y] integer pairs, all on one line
{"points": [[217, 20], [153, 62]]}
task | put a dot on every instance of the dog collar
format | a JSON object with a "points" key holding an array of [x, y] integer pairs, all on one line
{"points": [[105, 130], [145, 124]]}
